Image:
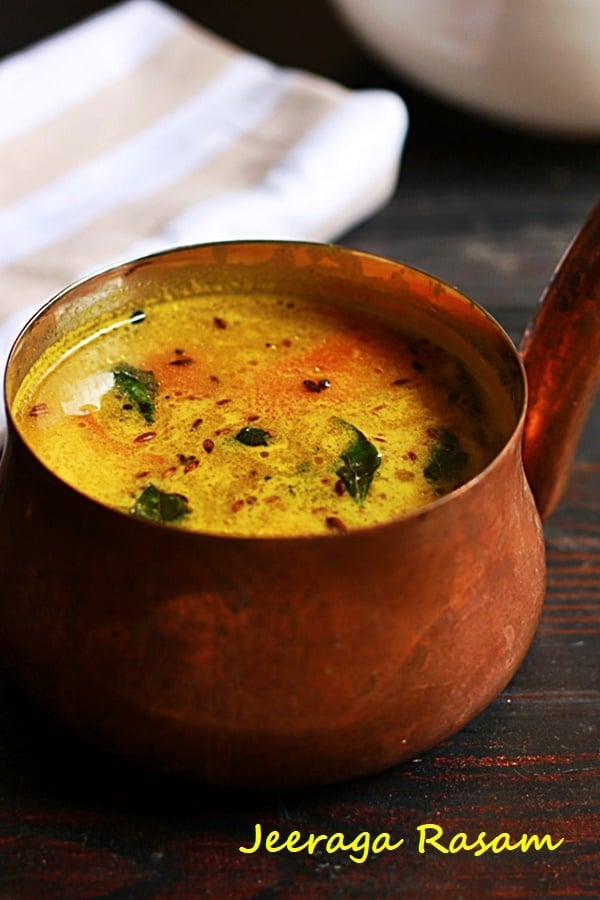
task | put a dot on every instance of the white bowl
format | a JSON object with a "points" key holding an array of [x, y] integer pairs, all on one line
{"points": [[533, 63]]}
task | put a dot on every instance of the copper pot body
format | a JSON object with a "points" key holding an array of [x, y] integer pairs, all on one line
{"points": [[273, 661]]}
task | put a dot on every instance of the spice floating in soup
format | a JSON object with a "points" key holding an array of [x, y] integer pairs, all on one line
{"points": [[257, 415]]}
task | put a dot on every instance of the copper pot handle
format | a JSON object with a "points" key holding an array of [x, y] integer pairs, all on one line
{"points": [[561, 354]]}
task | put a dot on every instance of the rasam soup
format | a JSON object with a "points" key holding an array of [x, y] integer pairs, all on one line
{"points": [[255, 415]]}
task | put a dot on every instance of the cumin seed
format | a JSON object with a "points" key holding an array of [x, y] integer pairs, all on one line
{"points": [[335, 523], [146, 436], [40, 409]]}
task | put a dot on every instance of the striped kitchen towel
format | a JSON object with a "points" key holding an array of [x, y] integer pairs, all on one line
{"points": [[137, 129]]}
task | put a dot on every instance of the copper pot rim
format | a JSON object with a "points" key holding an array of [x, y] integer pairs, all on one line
{"points": [[104, 273]]}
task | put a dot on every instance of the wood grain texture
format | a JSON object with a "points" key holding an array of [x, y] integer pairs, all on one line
{"points": [[490, 211]]}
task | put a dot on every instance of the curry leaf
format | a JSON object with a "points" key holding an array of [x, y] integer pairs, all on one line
{"points": [[157, 506], [253, 437], [360, 462], [139, 387], [447, 459]]}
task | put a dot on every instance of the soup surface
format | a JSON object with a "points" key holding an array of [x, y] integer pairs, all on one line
{"points": [[255, 415]]}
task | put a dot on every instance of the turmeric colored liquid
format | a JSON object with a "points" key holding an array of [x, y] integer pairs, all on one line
{"points": [[269, 415]]}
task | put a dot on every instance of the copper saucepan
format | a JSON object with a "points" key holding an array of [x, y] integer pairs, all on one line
{"points": [[290, 661]]}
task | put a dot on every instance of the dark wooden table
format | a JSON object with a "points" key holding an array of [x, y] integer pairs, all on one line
{"points": [[490, 211]]}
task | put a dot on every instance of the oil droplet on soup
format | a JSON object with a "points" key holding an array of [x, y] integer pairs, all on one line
{"points": [[258, 415]]}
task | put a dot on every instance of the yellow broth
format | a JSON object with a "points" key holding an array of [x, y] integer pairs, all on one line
{"points": [[255, 415]]}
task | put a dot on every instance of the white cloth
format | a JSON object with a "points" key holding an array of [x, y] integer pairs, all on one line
{"points": [[137, 130]]}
